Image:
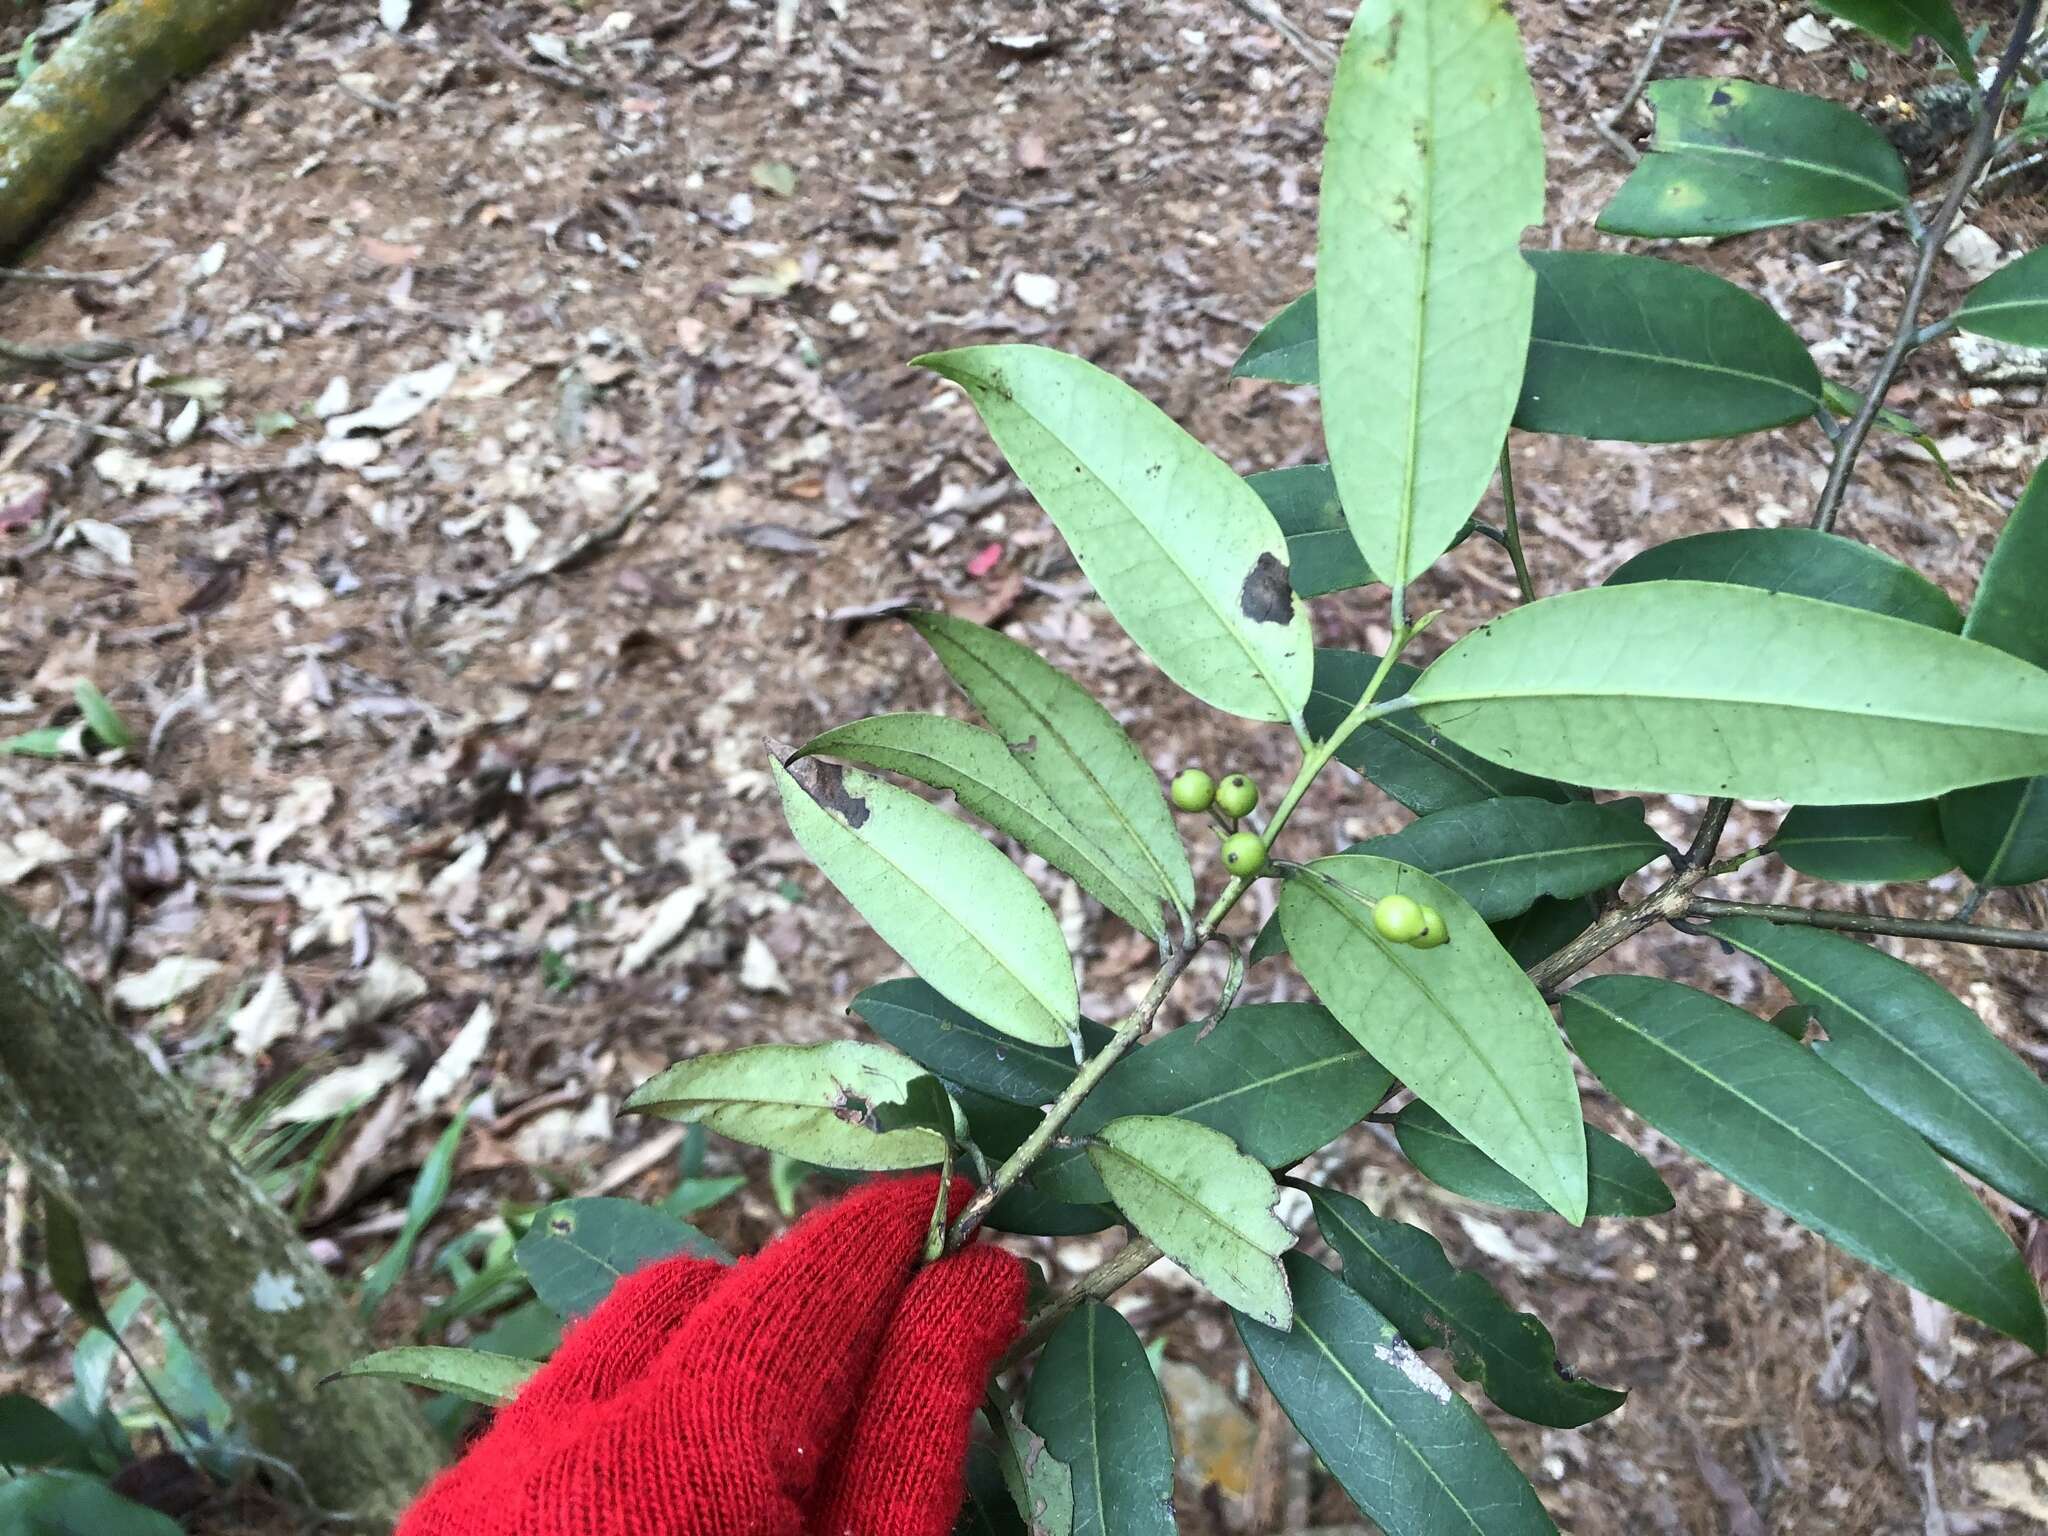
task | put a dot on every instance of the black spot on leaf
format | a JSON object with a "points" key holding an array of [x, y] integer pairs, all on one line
{"points": [[1268, 595], [826, 784], [1720, 98]]}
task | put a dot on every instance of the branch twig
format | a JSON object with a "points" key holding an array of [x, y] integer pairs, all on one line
{"points": [[1106, 1279], [1313, 49], [1982, 138], [1872, 922], [1610, 125]]}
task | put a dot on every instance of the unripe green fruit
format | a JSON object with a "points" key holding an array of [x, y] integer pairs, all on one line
{"points": [[1244, 854], [1194, 790], [1400, 919], [1236, 796], [1434, 930]]}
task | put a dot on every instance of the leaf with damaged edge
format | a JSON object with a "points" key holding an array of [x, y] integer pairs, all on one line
{"points": [[1207, 1205], [1182, 551], [1096, 1403], [577, 1250], [989, 782], [1071, 745], [1509, 1355], [1460, 1024], [939, 894], [1408, 1450], [1769, 1115], [1432, 169]]}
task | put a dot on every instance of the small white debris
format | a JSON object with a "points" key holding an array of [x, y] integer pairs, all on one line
{"points": [[334, 399], [109, 540], [664, 925], [1403, 1358], [350, 452], [271, 1013], [398, 402], [165, 982], [276, 1293], [759, 971], [1809, 34], [1036, 289], [455, 1063], [1974, 251], [26, 852], [387, 985], [343, 1089], [521, 533]]}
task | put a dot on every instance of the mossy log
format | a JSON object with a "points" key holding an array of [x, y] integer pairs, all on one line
{"points": [[79, 102], [99, 1126]]}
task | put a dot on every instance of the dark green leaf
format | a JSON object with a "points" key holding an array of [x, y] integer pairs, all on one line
{"points": [[1545, 928], [939, 894], [1183, 553], [1999, 833], [493, 1380], [989, 782], [1731, 156], [33, 1436], [1648, 351], [1505, 855], [429, 1189], [1905, 1040], [1771, 1116], [1509, 1355], [956, 1046], [1460, 1024], [1401, 753], [1899, 22], [988, 1509], [1279, 1079], [1804, 562], [1322, 556], [1286, 349], [1690, 687], [577, 1250], [70, 1269], [1207, 1206], [1407, 1449], [1070, 744], [1846, 402], [1619, 1182], [1096, 1402], [1432, 169], [74, 1504], [1865, 844], [999, 1129]]}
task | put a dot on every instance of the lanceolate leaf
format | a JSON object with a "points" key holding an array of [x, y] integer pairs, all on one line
{"points": [[577, 1250], [1509, 1355], [988, 781], [1731, 156], [1402, 753], [1460, 1024], [1183, 552], [1279, 1079], [1041, 1486], [1905, 1040], [1505, 855], [1775, 1119], [1630, 347], [1999, 833], [1286, 349], [1096, 1402], [1804, 562], [2012, 303], [956, 1046], [1898, 22], [1400, 1442], [1865, 844], [1205, 1203], [493, 1380], [1846, 402], [940, 895], [1619, 1182], [1687, 687], [65, 1503], [1433, 169], [815, 1102], [1069, 743], [1322, 556]]}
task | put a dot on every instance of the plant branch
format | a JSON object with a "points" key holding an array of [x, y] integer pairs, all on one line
{"points": [[1706, 839], [1314, 50], [1106, 1279], [1511, 531], [1975, 154], [1872, 922]]}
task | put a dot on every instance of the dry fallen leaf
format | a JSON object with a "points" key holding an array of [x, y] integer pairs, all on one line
{"points": [[171, 978]]}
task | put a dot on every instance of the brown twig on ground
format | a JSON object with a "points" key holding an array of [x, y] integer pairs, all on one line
{"points": [[1610, 125], [62, 359], [57, 278], [581, 552], [568, 80], [1313, 49]]}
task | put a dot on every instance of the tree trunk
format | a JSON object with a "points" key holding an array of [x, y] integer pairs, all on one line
{"points": [[103, 1129], [107, 74]]}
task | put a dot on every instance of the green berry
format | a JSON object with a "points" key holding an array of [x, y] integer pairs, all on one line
{"points": [[1434, 930], [1244, 854], [1194, 790], [1400, 919], [1236, 796]]}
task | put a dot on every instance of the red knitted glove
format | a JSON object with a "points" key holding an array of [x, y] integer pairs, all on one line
{"points": [[824, 1388]]}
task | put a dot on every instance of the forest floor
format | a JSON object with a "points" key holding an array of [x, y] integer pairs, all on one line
{"points": [[677, 256]]}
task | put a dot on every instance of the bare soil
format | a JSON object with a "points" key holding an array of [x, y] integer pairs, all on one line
{"points": [[680, 255]]}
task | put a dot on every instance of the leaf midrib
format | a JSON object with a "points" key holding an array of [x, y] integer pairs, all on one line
{"points": [[1682, 147], [1640, 695], [1147, 1171], [1667, 360]]}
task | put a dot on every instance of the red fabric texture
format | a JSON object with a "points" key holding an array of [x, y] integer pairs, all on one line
{"points": [[824, 1388]]}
